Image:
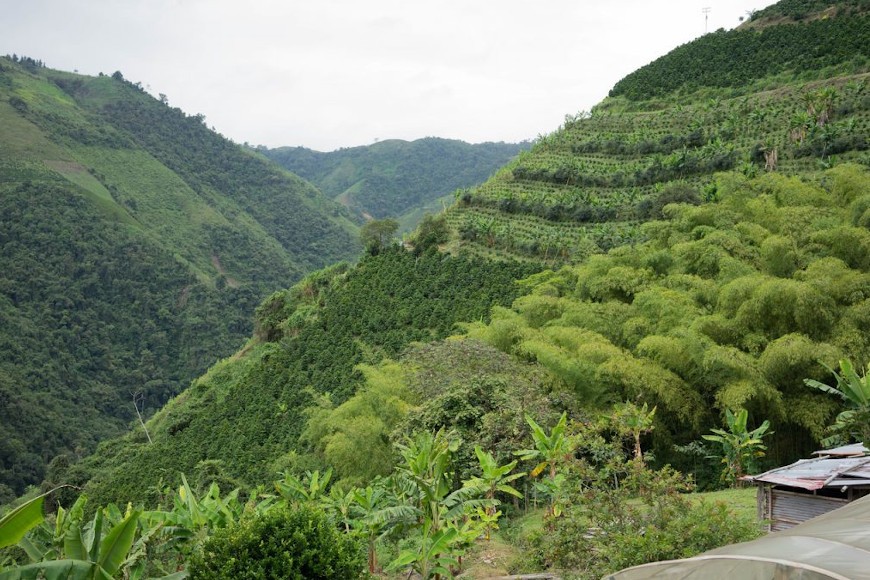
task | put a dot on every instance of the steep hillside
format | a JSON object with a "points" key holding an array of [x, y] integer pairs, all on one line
{"points": [[135, 245], [241, 422], [391, 178], [727, 305], [790, 97], [716, 243]]}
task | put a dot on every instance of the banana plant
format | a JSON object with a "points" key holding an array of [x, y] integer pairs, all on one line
{"points": [[740, 446], [442, 513], [551, 451], [376, 511], [308, 489], [339, 504], [433, 558], [494, 478], [44, 543], [15, 524], [853, 388], [192, 519], [99, 550]]}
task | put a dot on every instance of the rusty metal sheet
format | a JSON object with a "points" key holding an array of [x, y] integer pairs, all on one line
{"points": [[812, 474], [845, 450]]}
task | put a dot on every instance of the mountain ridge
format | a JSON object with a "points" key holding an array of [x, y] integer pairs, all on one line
{"points": [[393, 177], [128, 263]]}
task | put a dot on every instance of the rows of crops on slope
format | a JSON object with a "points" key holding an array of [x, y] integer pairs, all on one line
{"points": [[603, 171], [734, 58]]}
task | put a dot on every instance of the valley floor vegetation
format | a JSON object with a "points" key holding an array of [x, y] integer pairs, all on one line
{"points": [[596, 397], [606, 508]]}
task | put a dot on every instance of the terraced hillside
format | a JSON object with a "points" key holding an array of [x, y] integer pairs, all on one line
{"points": [[799, 101], [135, 244]]}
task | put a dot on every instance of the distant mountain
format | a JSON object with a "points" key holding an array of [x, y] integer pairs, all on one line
{"points": [[134, 244], [394, 177]]}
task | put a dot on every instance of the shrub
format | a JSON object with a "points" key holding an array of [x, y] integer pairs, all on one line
{"points": [[284, 543], [604, 532]]}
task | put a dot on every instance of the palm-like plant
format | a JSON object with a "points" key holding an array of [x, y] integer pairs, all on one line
{"points": [[427, 466], [740, 446], [103, 548], [494, 478], [853, 388], [551, 450], [442, 513], [375, 511], [310, 488], [631, 420]]}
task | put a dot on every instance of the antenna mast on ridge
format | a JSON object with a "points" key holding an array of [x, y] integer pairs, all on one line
{"points": [[706, 12]]}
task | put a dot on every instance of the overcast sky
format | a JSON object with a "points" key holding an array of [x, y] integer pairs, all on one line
{"points": [[339, 73]]}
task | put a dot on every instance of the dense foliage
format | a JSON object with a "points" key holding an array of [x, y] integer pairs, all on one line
{"points": [[135, 245], [735, 58], [646, 517], [803, 9], [728, 305], [392, 177], [244, 417], [424, 517], [294, 543], [697, 302], [773, 95], [91, 315]]}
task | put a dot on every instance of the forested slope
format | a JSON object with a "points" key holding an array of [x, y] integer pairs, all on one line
{"points": [[135, 245], [241, 422], [393, 177], [727, 305]]}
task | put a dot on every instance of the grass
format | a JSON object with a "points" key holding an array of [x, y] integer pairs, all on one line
{"points": [[740, 501]]}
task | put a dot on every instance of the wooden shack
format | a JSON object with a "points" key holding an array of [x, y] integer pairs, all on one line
{"points": [[808, 488]]}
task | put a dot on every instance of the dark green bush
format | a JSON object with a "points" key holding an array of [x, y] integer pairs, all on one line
{"points": [[603, 531], [284, 543]]}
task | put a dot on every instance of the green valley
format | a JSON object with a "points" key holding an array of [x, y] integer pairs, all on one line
{"points": [[660, 296], [393, 178]]}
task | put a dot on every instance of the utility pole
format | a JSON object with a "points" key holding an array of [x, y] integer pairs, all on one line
{"points": [[706, 12]]}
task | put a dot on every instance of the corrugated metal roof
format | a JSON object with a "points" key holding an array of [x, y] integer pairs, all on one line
{"points": [[819, 472], [845, 450]]}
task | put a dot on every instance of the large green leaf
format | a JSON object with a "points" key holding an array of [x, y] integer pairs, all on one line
{"points": [[16, 523], [116, 544], [54, 570], [92, 536], [68, 525], [34, 551]]}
